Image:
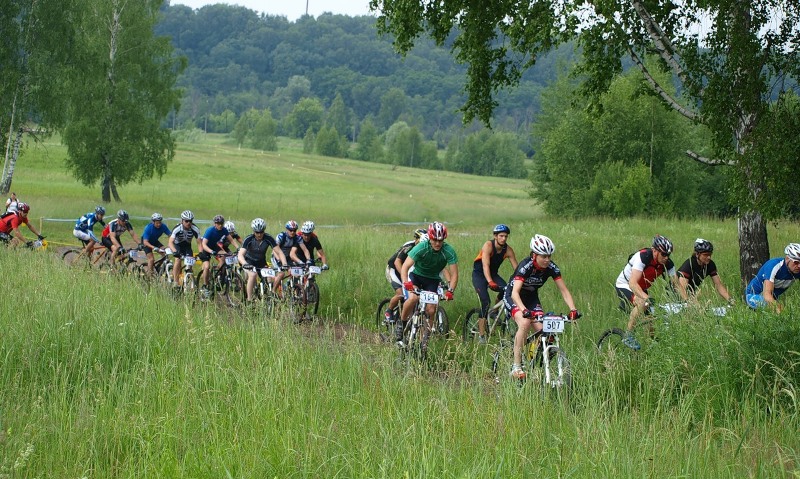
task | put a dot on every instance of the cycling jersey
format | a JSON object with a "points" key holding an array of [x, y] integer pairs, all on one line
{"points": [[312, 244], [402, 254], [182, 235], [644, 261], [152, 234], [495, 260], [532, 278], [214, 237], [692, 270], [226, 242], [286, 243], [774, 270], [116, 228], [11, 221], [256, 251], [86, 222], [428, 262]]}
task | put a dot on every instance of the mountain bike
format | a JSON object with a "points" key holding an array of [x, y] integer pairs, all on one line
{"points": [[385, 326], [223, 285], [76, 256], [186, 282], [546, 361], [645, 329], [417, 332], [499, 326], [264, 290]]}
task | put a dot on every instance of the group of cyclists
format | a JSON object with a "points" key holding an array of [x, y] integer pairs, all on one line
{"points": [[287, 248], [16, 215], [420, 264]]}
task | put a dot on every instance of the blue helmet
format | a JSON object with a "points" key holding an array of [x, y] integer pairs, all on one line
{"points": [[501, 228]]}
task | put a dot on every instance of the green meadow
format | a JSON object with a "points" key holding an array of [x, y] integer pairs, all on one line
{"points": [[105, 377]]}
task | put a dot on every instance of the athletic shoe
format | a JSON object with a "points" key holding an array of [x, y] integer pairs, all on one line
{"points": [[631, 342]]}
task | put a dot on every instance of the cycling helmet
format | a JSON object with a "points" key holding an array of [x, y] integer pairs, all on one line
{"points": [[793, 251], [662, 245], [291, 225], [501, 228], [423, 237], [307, 228], [99, 210], [187, 215], [230, 227], [437, 231], [219, 219], [122, 215], [156, 217], [703, 246], [258, 225], [23, 208], [542, 245], [419, 233]]}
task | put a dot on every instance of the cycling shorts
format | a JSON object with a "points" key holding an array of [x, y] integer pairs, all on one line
{"points": [[393, 278]]}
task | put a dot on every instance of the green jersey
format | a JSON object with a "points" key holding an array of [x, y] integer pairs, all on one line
{"points": [[428, 262]]}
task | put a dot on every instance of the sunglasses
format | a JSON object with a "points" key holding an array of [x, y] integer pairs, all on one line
{"points": [[293, 231], [795, 262]]}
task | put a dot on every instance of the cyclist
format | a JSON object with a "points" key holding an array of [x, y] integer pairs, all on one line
{"points": [[429, 259], [393, 267], [11, 203], [85, 225], [290, 243], [211, 245], [773, 279], [253, 253], [152, 232], [180, 242], [485, 270], [114, 230], [232, 230], [10, 222], [697, 267], [311, 240], [521, 296], [643, 268]]}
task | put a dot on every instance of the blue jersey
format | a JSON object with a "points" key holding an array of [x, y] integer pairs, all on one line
{"points": [[214, 236], [286, 242], [151, 234], [86, 222], [774, 270]]}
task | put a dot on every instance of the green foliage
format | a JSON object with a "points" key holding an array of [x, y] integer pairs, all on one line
{"points": [[306, 115], [405, 147], [338, 116], [309, 139], [487, 153], [330, 143], [222, 123], [369, 146], [264, 133]]}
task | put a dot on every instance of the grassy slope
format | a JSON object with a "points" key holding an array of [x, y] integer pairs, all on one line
{"points": [[95, 383]]}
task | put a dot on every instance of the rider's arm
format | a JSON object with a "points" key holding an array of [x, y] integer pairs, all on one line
{"points": [[204, 246], [453, 275], [486, 255], [683, 285], [18, 234], [562, 287], [242, 260], [676, 283], [33, 230], [293, 254], [305, 251], [281, 257], [512, 257], [234, 241], [515, 297], [633, 284], [769, 291], [134, 236], [721, 289], [322, 257], [407, 264]]}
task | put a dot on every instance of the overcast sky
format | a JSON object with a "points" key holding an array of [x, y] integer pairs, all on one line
{"points": [[292, 9]]}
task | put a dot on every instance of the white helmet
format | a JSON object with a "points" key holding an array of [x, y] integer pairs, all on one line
{"points": [[793, 251], [187, 215], [230, 226], [307, 228], [542, 245], [258, 225]]}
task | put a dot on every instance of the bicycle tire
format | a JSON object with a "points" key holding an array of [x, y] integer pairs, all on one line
{"points": [[470, 330], [442, 322], [70, 256], [312, 298], [611, 339], [559, 366]]}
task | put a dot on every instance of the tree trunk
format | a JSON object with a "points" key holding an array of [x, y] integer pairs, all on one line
{"points": [[753, 245], [8, 174]]}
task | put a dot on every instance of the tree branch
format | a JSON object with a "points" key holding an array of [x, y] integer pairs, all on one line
{"points": [[708, 161], [658, 89], [663, 44]]}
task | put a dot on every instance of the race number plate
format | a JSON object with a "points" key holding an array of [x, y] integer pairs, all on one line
{"points": [[295, 271], [553, 324], [314, 269], [133, 254], [428, 297], [267, 273], [189, 260], [230, 260]]}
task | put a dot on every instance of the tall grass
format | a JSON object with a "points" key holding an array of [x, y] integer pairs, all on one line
{"points": [[101, 377]]}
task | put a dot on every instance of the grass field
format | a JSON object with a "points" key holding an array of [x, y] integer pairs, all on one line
{"points": [[101, 377]]}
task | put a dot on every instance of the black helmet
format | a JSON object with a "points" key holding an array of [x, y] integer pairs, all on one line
{"points": [[99, 210], [703, 246], [662, 245], [122, 215]]}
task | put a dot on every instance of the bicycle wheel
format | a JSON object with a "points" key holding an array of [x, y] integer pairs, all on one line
{"points": [[611, 340], [233, 291], [442, 325], [554, 372], [312, 298], [470, 330], [70, 256]]}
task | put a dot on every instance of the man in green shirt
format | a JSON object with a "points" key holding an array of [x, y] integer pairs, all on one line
{"points": [[428, 259]]}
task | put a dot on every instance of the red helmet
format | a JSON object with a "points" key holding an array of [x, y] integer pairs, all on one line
{"points": [[437, 231], [23, 208]]}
